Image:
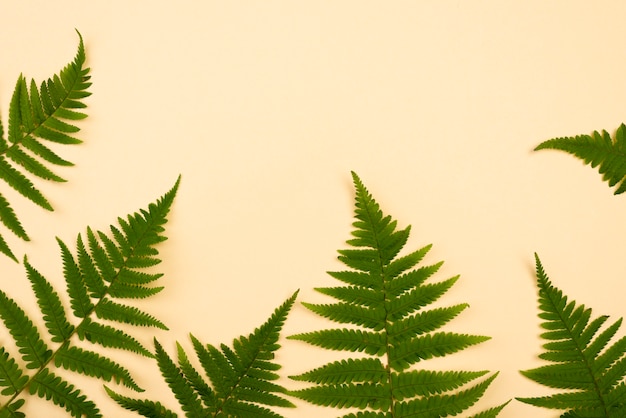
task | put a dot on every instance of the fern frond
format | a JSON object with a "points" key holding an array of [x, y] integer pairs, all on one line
{"points": [[581, 361], [91, 299], [384, 303], [241, 377], [597, 150], [37, 115]]}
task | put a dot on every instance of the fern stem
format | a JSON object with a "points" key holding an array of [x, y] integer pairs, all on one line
{"points": [[386, 299]]}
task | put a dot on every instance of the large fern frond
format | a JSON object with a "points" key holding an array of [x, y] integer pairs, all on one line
{"points": [[597, 150], [240, 378], [384, 302], [106, 269], [39, 116], [581, 360]]}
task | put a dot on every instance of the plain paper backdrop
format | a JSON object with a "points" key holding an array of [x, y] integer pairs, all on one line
{"points": [[264, 108]]}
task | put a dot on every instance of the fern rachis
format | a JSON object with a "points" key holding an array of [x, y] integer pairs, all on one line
{"points": [[383, 300], [103, 270]]}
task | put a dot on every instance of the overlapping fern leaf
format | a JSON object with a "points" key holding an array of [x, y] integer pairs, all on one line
{"points": [[582, 363], [384, 300], [39, 116], [597, 150], [105, 270], [241, 378]]}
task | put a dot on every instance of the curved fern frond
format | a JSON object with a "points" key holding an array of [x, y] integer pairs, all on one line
{"points": [[40, 115], [597, 150], [581, 362], [91, 278], [383, 303], [240, 378]]}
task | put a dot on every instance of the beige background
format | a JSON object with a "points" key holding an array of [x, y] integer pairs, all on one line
{"points": [[264, 107]]}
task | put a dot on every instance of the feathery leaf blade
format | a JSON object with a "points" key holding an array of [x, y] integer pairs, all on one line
{"points": [[84, 281], [384, 301], [93, 364], [242, 377], [26, 336], [12, 378], [51, 387], [113, 311], [144, 408], [597, 150], [48, 113], [184, 393], [445, 404], [580, 356], [107, 336], [49, 302], [81, 304], [346, 371], [11, 410], [196, 381]]}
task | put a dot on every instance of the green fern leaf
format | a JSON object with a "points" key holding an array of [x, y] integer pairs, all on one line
{"points": [[581, 360], [11, 376], [93, 364], [48, 386], [185, 394], [91, 298], [597, 150], [241, 377], [50, 304], [142, 407], [40, 114], [383, 302], [33, 349], [113, 311]]}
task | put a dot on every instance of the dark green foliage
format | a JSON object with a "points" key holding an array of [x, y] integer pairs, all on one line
{"points": [[597, 150], [383, 300], [37, 116], [101, 271], [582, 363], [240, 378]]}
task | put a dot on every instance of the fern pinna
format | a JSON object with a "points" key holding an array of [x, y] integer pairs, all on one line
{"points": [[582, 363], [597, 150], [36, 116], [104, 270], [242, 377], [383, 298]]}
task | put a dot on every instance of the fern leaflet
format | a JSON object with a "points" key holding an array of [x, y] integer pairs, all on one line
{"points": [[581, 361], [597, 150], [91, 277], [241, 377], [383, 300], [47, 113]]}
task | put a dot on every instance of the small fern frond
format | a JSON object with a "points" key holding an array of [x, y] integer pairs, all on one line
{"points": [[597, 150], [240, 378], [90, 278], [581, 361], [384, 302], [48, 113]]}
